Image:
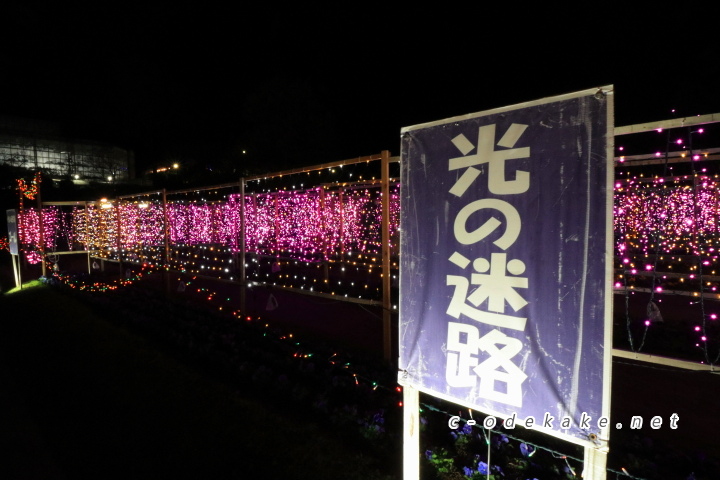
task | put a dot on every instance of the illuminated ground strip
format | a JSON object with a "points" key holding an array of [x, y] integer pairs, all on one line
{"points": [[81, 283]]}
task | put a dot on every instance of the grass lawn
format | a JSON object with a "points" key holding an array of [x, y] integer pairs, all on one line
{"points": [[86, 398], [91, 390]]}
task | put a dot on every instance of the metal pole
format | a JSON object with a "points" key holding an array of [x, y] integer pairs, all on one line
{"points": [[385, 237]]}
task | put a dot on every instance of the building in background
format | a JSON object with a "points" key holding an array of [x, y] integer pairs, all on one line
{"points": [[41, 145]]}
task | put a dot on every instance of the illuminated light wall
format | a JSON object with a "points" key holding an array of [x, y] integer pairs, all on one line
{"points": [[96, 227], [141, 223], [317, 225], [667, 234], [300, 238], [141, 232], [300, 226], [58, 231], [668, 215], [294, 238], [29, 223]]}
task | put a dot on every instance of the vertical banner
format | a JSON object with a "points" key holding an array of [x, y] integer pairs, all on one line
{"points": [[505, 262], [13, 239]]}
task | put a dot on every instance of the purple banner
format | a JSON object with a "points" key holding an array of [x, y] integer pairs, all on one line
{"points": [[504, 282], [13, 237]]}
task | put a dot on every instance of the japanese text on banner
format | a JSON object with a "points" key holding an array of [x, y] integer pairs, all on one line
{"points": [[492, 291]]}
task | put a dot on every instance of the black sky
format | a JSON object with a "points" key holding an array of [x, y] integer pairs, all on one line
{"points": [[304, 85]]}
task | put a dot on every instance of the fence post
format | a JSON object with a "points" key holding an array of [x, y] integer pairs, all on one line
{"points": [[385, 237], [243, 279], [118, 245], [41, 225], [20, 237], [341, 240], [324, 234], [166, 235], [16, 270], [411, 433], [87, 240], [595, 463]]}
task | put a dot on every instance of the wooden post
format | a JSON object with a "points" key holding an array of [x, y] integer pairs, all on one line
{"points": [[385, 237], [276, 224], [20, 235], [41, 225], [411, 433], [323, 232], [87, 240], [243, 279], [595, 464], [118, 220], [16, 271], [341, 200], [166, 235]]}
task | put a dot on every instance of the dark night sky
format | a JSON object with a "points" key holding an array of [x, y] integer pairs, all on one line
{"points": [[299, 87]]}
